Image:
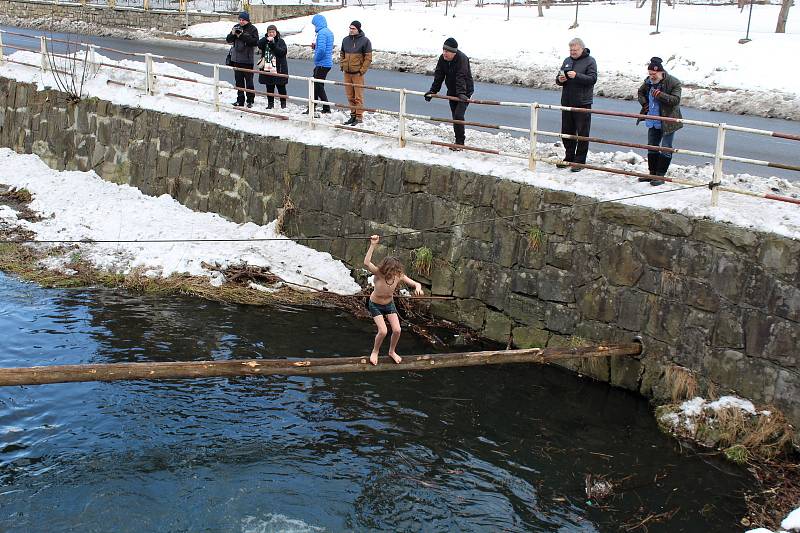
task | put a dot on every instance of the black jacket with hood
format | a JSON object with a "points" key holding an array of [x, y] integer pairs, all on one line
{"points": [[275, 54], [579, 91], [243, 47]]}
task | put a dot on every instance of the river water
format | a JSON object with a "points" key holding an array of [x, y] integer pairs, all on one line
{"points": [[473, 449]]}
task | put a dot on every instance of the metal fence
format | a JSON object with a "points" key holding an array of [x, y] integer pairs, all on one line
{"points": [[150, 77]]}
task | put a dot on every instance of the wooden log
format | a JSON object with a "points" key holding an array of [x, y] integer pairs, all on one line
{"points": [[41, 375]]}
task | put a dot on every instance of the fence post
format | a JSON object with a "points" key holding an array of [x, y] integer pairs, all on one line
{"points": [[146, 5], [402, 128], [311, 102], [92, 60], [148, 72], [43, 52], [216, 88], [717, 178], [2, 53], [534, 135]]}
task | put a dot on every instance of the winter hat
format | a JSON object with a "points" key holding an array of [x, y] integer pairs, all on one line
{"points": [[244, 15], [656, 63], [357, 24], [450, 44]]}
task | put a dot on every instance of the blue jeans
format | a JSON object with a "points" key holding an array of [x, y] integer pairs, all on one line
{"points": [[656, 137]]}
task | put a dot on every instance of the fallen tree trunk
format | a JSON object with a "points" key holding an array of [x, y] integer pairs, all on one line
{"points": [[41, 375]]}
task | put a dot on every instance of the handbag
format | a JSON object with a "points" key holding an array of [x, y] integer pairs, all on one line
{"points": [[262, 63]]}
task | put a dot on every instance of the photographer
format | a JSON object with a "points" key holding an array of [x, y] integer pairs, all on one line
{"points": [[243, 38], [577, 77], [273, 53], [660, 95]]}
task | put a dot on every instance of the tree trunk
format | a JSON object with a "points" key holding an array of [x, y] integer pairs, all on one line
{"points": [[782, 16], [640, 3], [40, 375], [539, 7], [653, 12]]}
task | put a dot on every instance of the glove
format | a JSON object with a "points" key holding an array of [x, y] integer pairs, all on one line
{"points": [[463, 97], [428, 97], [656, 92]]}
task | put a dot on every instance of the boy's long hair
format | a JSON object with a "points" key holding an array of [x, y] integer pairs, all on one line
{"points": [[390, 269]]}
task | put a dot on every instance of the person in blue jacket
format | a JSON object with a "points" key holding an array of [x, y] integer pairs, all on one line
{"points": [[323, 58]]}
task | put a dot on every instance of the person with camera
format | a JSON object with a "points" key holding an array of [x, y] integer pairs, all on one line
{"points": [[273, 61], [576, 78], [355, 57], [323, 58], [453, 69], [660, 95], [243, 38]]}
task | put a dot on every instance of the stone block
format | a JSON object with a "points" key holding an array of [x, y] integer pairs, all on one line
{"points": [[596, 301], [559, 255], [665, 319], [530, 337], [529, 311], [560, 318], [622, 265], [525, 281], [505, 197], [555, 285], [701, 295], [784, 301], [626, 215], [726, 236], [497, 326], [442, 279], [781, 255], [633, 309], [441, 181], [626, 372]]}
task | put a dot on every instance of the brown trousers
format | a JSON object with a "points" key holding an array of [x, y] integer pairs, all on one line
{"points": [[355, 95]]}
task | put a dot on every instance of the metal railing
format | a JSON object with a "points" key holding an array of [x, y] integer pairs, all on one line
{"points": [[150, 79]]}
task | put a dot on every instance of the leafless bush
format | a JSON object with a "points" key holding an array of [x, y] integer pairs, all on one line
{"points": [[70, 68]]}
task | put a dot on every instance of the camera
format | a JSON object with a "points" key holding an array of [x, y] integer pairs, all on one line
{"points": [[237, 29]]}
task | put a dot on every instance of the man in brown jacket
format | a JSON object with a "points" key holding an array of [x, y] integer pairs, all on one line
{"points": [[355, 58]]}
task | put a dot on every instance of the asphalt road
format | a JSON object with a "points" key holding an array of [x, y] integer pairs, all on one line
{"points": [[690, 137]]}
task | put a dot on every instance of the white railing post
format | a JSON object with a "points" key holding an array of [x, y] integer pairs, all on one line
{"points": [[2, 54], [43, 52], [216, 88], [401, 135], [311, 102], [534, 135], [91, 59], [717, 178], [148, 73]]}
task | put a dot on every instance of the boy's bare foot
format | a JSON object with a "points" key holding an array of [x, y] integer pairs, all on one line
{"points": [[373, 358], [396, 358]]}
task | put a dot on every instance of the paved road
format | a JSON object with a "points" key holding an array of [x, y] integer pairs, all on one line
{"points": [[703, 139]]}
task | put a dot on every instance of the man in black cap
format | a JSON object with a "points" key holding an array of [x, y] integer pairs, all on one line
{"points": [[453, 69], [355, 57], [243, 38], [576, 78], [660, 95]]}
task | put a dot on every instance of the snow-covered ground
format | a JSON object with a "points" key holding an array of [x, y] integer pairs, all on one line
{"points": [[81, 205], [698, 43], [777, 217]]}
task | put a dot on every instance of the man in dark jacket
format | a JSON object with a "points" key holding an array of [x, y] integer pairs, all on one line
{"points": [[243, 38], [577, 77], [660, 95], [355, 57], [453, 69]]}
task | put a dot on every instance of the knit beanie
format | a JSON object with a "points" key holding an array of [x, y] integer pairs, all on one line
{"points": [[656, 63], [357, 24], [450, 44], [244, 15]]}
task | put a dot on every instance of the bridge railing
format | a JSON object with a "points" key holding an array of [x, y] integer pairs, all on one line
{"points": [[150, 77]]}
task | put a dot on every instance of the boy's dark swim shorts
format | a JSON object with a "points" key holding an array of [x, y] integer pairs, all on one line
{"points": [[379, 309]]}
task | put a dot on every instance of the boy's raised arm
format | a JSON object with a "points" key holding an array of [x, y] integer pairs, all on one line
{"points": [[373, 242]]}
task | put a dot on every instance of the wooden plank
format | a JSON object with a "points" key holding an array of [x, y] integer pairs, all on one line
{"points": [[41, 375]]}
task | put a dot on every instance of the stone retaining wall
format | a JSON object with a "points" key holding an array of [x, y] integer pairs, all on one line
{"points": [[125, 17], [721, 300]]}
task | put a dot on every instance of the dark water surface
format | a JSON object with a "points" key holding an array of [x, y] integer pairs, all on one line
{"points": [[474, 449]]}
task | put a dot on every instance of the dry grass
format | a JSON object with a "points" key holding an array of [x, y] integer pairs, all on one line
{"points": [[283, 213], [681, 382], [22, 196]]}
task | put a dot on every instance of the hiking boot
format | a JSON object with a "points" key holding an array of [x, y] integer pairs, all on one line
{"points": [[238, 104], [351, 121], [249, 105]]}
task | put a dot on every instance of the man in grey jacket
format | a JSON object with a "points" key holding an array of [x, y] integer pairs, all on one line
{"points": [[243, 38], [577, 77]]}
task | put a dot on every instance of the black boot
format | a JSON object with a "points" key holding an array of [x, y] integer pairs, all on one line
{"points": [[270, 102], [283, 103], [661, 168], [652, 164]]}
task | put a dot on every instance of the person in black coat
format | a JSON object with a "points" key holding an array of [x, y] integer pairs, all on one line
{"points": [[243, 39], [577, 77], [273, 51], [453, 69]]}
